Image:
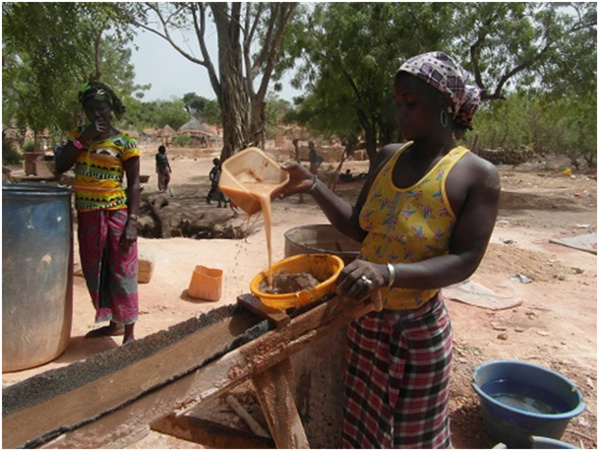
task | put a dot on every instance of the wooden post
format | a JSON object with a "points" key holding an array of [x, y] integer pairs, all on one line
{"points": [[275, 396]]}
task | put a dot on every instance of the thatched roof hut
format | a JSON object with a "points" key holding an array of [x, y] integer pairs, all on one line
{"points": [[166, 132]]}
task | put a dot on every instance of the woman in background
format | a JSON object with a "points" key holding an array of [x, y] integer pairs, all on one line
{"points": [[106, 210]]}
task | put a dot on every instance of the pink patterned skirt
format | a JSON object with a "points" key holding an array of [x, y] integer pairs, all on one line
{"points": [[110, 273]]}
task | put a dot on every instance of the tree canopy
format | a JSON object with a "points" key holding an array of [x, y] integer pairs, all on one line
{"points": [[248, 36], [49, 50], [351, 52], [345, 55]]}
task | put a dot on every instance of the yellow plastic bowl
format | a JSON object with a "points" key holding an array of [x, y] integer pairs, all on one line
{"points": [[325, 267]]}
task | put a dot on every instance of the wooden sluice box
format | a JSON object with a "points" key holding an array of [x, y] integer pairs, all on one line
{"points": [[111, 399]]}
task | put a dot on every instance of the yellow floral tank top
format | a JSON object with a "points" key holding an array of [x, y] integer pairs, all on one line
{"points": [[408, 225]]}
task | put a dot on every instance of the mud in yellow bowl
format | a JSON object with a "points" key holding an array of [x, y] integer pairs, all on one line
{"points": [[323, 267]]}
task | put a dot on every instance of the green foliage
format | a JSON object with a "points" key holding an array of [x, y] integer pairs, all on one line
{"points": [[212, 113], [276, 110], [49, 51], [29, 146], [505, 124], [155, 114], [565, 127], [182, 140], [9, 154], [543, 47], [171, 113], [352, 50], [203, 109], [42, 57]]}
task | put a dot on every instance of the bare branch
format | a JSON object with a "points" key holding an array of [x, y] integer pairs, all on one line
{"points": [[285, 16], [166, 34], [200, 29], [98, 59]]}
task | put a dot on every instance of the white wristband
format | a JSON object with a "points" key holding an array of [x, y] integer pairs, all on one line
{"points": [[391, 270], [314, 180]]}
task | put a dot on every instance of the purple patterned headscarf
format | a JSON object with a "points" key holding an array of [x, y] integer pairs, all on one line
{"points": [[443, 73]]}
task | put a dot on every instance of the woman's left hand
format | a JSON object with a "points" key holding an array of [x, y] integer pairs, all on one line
{"points": [[360, 279], [129, 236]]}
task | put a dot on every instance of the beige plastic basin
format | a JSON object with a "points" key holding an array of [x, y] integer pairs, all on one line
{"points": [[246, 168]]}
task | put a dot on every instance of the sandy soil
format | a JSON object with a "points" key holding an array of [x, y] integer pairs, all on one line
{"points": [[555, 326]]}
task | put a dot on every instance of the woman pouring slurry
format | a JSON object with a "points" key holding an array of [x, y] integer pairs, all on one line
{"points": [[424, 217]]}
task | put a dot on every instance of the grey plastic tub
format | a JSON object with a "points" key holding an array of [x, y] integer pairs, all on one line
{"points": [[319, 239], [37, 296]]}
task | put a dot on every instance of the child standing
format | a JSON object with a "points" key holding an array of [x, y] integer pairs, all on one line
{"points": [[215, 193], [163, 169]]}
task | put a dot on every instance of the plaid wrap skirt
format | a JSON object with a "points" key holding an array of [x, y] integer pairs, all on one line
{"points": [[397, 379]]}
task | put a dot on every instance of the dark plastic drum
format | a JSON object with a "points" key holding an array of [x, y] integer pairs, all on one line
{"points": [[320, 239], [37, 253]]}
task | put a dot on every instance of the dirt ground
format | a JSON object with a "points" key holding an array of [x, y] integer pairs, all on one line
{"points": [[554, 326]]}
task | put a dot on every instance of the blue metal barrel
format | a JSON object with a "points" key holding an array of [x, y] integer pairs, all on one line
{"points": [[37, 274]]}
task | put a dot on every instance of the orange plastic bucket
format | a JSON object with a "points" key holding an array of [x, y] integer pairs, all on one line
{"points": [[206, 283], [323, 267]]}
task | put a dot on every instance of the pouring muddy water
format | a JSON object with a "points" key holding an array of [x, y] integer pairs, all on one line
{"points": [[250, 178]]}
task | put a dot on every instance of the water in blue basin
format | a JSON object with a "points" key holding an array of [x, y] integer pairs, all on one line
{"points": [[524, 397]]}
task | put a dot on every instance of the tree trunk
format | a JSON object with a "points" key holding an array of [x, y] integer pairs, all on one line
{"points": [[276, 20], [369, 127], [233, 108], [258, 123], [233, 96], [370, 138], [299, 161]]}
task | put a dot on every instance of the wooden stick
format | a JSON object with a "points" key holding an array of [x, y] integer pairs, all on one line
{"points": [[581, 435], [210, 434], [246, 417]]}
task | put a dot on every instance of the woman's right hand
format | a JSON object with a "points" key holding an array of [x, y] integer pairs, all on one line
{"points": [[94, 129], [300, 179]]}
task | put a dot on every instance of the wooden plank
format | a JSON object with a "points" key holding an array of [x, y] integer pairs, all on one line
{"points": [[253, 304], [209, 433], [115, 427], [278, 406], [107, 393]]}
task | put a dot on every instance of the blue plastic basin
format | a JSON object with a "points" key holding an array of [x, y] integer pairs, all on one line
{"points": [[549, 443], [520, 400]]}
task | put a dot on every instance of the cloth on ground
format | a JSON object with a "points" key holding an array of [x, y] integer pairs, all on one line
{"points": [[586, 242], [477, 295]]}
